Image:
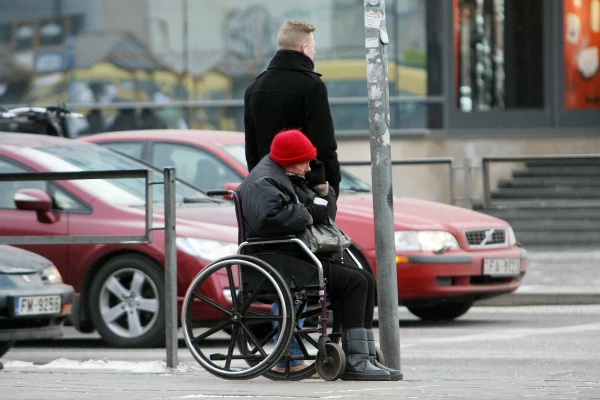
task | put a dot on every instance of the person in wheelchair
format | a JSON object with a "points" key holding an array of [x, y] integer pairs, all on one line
{"points": [[278, 199]]}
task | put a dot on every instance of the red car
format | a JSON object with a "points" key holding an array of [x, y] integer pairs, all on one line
{"points": [[447, 257], [119, 287]]}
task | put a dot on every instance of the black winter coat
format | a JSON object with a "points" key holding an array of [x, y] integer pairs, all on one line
{"points": [[290, 95], [273, 205]]}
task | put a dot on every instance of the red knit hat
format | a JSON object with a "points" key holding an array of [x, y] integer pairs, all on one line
{"points": [[291, 147]]}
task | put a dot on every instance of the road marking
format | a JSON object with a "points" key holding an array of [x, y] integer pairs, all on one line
{"points": [[508, 334]]}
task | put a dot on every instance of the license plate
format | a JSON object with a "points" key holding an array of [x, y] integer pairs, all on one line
{"points": [[501, 266], [35, 305]]}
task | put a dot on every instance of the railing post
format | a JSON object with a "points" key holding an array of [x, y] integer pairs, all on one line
{"points": [[451, 178], [149, 206], [486, 181], [170, 269], [467, 183]]}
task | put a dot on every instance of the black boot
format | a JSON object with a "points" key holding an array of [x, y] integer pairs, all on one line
{"points": [[358, 365], [395, 375]]}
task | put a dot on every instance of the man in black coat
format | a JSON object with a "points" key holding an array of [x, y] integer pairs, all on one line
{"points": [[291, 95]]}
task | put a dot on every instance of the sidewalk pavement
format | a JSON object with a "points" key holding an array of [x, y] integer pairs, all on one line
{"points": [[553, 278], [569, 277], [187, 383]]}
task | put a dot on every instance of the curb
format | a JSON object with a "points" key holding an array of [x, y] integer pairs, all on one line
{"points": [[542, 298]]}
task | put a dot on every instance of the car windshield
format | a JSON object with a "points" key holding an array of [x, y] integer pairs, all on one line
{"points": [[124, 191], [238, 152], [349, 183]]}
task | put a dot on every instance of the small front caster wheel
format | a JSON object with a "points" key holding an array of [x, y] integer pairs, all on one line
{"points": [[336, 362]]}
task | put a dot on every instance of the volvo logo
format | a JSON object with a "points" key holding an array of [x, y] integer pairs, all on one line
{"points": [[26, 278], [489, 234]]}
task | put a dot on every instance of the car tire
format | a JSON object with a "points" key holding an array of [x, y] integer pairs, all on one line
{"points": [[122, 316], [5, 346], [441, 312]]}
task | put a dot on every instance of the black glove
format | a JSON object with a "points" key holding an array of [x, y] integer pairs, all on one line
{"points": [[316, 175], [320, 214]]}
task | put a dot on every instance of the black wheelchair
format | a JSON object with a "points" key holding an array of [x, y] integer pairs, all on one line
{"points": [[261, 334]]}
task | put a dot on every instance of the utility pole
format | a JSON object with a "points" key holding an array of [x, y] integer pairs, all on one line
{"points": [[376, 42]]}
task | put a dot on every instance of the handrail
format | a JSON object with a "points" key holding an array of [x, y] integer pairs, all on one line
{"points": [[169, 228], [98, 239], [416, 161]]}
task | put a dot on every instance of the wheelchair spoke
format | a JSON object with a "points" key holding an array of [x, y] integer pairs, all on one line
{"points": [[300, 309], [251, 336], [234, 298], [309, 313], [287, 368], [231, 346], [211, 331], [303, 348], [308, 339], [252, 298], [212, 303], [266, 317]]}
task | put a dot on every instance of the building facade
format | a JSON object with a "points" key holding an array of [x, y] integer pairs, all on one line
{"points": [[468, 78]]}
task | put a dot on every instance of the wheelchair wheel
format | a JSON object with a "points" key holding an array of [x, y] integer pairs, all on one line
{"points": [[306, 342], [336, 364], [248, 305]]}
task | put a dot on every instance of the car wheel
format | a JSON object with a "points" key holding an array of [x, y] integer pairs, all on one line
{"points": [[127, 302], [5, 346], [441, 312]]}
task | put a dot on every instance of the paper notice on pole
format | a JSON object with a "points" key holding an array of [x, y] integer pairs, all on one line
{"points": [[372, 19], [372, 43]]}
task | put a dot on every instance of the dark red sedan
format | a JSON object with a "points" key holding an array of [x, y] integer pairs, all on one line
{"points": [[447, 257], [119, 287]]}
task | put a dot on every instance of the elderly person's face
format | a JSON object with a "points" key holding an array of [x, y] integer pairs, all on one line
{"points": [[299, 169]]}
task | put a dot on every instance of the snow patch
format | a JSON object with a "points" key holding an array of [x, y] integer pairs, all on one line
{"points": [[146, 367]]}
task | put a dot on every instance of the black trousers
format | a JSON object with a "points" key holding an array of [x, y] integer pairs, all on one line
{"points": [[353, 289]]}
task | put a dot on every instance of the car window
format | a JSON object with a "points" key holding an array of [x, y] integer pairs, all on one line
{"points": [[65, 201], [8, 189], [194, 165], [88, 157], [237, 151], [133, 149]]}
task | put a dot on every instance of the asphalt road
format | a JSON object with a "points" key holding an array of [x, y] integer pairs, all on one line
{"points": [[523, 343]]}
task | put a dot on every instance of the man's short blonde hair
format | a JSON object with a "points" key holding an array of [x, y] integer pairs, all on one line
{"points": [[294, 34]]}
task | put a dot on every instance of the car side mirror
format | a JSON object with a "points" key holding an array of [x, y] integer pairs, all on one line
{"points": [[230, 186], [33, 199]]}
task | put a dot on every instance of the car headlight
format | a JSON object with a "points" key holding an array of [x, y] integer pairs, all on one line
{"points": [[50, 275], [424, 240], [512, 239], [206, 249]]}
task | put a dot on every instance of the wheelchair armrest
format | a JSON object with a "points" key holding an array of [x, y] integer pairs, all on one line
{"points": [[268, 238]]}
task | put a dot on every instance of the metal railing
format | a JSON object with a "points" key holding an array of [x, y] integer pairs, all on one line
{"points": [[169, 228], [417, 161], [486, 161]]}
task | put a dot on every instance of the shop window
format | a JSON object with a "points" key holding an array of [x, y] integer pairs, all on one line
{"points": [[24, 37], [499, 57], [51, 33], [581, 39]]}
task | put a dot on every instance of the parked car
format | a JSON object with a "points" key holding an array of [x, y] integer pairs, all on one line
{"points": [[447, 257], [34, 301], [119, 287]]}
